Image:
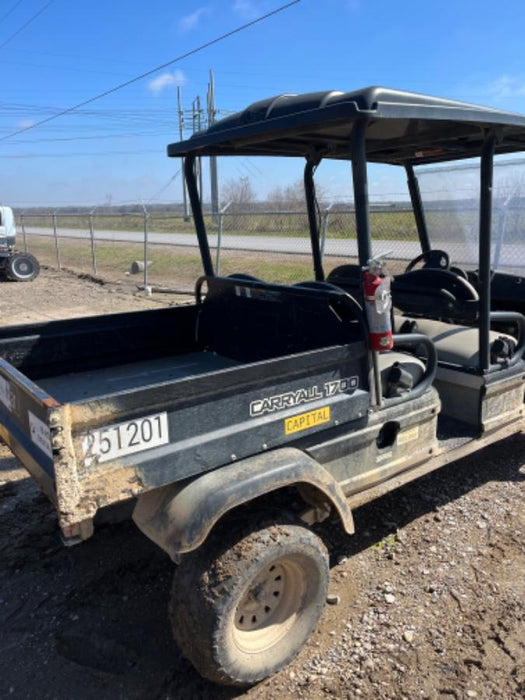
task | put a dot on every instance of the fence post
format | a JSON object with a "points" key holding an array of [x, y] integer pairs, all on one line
{"points": [[502, 229], [324, 226], [219, 239], [23, 232], [145, 248], [57, 247], [92, 236]]}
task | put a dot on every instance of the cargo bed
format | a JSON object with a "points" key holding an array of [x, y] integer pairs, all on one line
{"points": [[103, 409], [95, 383]]}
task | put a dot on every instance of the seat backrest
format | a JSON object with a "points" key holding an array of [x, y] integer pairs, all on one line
{"points": [[349, 278], [249, 320], [436, 294]]}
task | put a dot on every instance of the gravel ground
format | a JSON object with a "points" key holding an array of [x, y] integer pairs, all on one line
{"points": [[55, 295], [427, 597]]}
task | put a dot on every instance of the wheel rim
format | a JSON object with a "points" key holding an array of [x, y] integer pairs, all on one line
{"points": [[23, 267], [270, 606]]}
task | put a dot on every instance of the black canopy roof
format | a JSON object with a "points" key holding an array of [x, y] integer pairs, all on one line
{"points": [[402, 128]]}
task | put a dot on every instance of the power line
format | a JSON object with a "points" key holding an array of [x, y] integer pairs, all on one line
{"points": [[26, 24], [20, 156], [10, 12], [166, 128], [165, 187], [153, 70]]}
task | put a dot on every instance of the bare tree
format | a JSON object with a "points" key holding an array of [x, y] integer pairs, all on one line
{"points": [[291, 197], [239, 192]]}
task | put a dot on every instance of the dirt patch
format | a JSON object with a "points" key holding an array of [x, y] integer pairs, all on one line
{"points": [[430, 588], [60, 294]]}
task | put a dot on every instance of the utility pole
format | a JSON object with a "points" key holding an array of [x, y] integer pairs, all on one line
{"points": [[197, 126], [181, 135], [214, 180]]}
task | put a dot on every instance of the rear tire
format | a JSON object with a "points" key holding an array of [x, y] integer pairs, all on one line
{"points": [[22, 267], [240, 611]]}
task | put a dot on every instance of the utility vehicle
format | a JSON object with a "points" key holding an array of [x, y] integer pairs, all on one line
{"points": [[242, 420], [16, 266]]}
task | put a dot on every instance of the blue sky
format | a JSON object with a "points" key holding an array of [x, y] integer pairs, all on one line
{"points": [[57, 53]]}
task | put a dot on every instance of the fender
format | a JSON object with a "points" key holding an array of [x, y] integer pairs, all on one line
{"points": [[179, 517]]}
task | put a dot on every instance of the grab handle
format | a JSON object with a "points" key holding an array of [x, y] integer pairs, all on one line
{"points": [[414, 340]]}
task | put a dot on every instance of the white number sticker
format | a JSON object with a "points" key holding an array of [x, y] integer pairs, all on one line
{"points": [[125, 438], [40, 434]]}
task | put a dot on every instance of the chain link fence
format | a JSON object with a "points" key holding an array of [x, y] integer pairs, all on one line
{"points": [[159, 249]]}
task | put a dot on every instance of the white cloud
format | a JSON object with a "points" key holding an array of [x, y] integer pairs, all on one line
{"points": [[167, 80], [247, 9], [25, 124], [506, 86], [189, 22]]}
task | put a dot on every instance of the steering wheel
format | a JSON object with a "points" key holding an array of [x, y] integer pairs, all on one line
{"points": [[436, 259], [460, 272]]}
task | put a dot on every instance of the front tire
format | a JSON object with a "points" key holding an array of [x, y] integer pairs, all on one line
{"points": [[240, 611], [22, 267]]}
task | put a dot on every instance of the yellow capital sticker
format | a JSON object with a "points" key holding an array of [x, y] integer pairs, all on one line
{"points": [[307, 420]]}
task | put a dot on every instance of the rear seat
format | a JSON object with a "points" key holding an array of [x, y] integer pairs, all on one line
{"points": [[457, 345]]}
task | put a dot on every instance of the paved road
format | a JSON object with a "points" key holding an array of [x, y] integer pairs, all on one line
{"points": [[275, 244], [512, 256]]}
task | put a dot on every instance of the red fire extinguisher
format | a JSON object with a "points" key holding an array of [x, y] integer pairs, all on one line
{"points": [[378, 302]]}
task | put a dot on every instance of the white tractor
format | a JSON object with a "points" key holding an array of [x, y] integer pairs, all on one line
{"points": [[15, 265]]}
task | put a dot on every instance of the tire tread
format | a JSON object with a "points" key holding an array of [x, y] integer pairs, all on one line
{"points": [[200, 593]]}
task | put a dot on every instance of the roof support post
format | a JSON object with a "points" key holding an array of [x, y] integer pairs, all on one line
{"points": [[360, 179], [309, 188], [485, 223], [362, 221], [196, 207], [417, 206]]}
